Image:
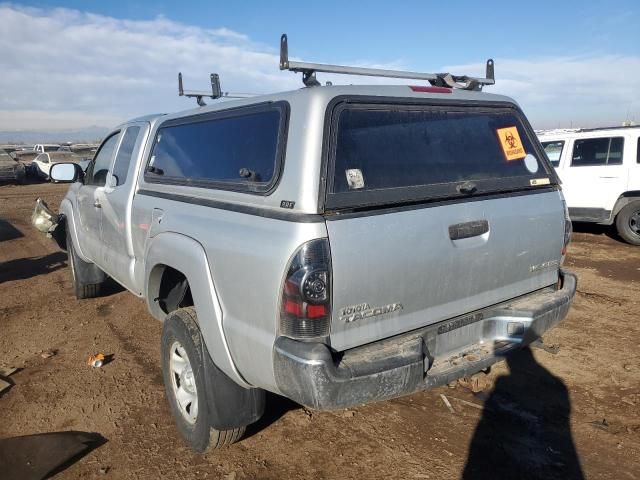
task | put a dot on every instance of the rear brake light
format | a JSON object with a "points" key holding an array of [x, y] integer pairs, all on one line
{"points": [[424, 89], [305, 311]]}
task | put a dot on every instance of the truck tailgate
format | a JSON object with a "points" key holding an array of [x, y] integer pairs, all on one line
{"points": [[413, 274]]}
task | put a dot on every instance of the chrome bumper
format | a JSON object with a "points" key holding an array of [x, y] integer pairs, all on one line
{"points": [[310, 374]]}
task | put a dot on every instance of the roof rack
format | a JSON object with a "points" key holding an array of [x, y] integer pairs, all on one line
{"points": [[555, 131], [216, 91], [309, 70]]}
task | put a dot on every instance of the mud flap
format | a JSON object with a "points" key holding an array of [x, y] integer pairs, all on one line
{"points": [[230, 405], [49, 223]]}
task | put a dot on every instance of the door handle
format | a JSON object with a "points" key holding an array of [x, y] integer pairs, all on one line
{"points": [[97, 204], [468, 229]]}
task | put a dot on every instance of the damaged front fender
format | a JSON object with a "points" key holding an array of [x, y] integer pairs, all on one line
{"points": [[49, 223]]}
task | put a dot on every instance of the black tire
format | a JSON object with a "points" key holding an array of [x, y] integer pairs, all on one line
{"points": [[181, 328], [628, 223], [81, 289]]}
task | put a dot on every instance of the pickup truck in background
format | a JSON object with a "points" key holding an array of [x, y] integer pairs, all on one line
{"points": [[600, 173], [336, 245], [29, 154]]}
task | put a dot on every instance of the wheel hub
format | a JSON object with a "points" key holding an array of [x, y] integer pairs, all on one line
{"points": [[183, 382], [188, 381]]}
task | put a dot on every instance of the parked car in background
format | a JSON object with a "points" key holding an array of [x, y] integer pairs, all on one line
{"points": [[41, 165], [600, 173], [11, 170]]}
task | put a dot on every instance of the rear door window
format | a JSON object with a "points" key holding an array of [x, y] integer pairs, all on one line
{"points": [[554, 151], [392, 153], [597, 151], [236, 150]]}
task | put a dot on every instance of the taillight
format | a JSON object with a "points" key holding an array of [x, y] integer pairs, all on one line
{"points": [[305, 311], [568, 229]]}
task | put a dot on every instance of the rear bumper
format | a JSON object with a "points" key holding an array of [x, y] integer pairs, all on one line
{"points": [[310, 374]]}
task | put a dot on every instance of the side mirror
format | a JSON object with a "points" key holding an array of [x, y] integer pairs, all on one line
{"points": [[65, 172]]}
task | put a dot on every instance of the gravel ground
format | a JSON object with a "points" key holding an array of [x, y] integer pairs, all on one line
{"points": [[570, 409]]}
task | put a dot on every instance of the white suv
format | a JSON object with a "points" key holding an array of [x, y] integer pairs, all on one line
{"points": [[600, 172]]}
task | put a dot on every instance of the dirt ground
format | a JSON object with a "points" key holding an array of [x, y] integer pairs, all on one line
{"points": [[570, 409]]}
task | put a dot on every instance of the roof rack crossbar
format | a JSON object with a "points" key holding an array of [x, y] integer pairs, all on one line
{"points": [[216, 91], [309, 70]]}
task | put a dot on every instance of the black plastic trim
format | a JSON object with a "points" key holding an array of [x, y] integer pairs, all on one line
{"points": [[475, 228], [374, 199], [407, 206], [596, 215], [263, 189], [287, 216]]}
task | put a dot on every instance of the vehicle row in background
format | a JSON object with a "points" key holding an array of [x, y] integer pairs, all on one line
{"points": [[600, 173], [17, 164], [27, 153]]}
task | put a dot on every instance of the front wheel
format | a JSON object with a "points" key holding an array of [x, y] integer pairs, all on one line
{"points": [[184, 380], [628, 223]]}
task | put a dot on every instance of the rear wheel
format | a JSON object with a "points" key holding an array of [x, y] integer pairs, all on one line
{"points": [[81, 287], [184, 381], [628, 223]]}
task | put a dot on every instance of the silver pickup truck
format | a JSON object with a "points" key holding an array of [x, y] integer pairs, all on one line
{"points": [[336, 245]]}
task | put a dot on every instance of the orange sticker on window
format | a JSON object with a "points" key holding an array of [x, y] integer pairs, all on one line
{"points": [[511, 143]]}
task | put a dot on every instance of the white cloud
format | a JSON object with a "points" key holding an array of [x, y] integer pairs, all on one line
{"points": [[65, 68], [570, 91]]}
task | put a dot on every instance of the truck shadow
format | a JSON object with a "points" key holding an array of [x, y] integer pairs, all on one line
{"points": [[276, 407], [23, 268], [524, 431]]}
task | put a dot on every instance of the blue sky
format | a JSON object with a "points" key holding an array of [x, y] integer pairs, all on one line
{"points": [[560, 60], [419, 32]]}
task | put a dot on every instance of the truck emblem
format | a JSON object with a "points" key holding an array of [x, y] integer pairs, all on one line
{"points": [[544, 265], [364, 310]]}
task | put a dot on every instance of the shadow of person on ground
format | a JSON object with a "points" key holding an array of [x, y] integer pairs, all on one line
{"points": [[35, 457], [524, 432], [24, 268]]}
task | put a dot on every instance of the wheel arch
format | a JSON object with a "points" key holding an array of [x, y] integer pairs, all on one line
{"points": [[70, 225], [623, 200], [173, 254]]}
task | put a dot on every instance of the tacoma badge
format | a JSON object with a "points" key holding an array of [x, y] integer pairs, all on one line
{"points": [[363, 310]]}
